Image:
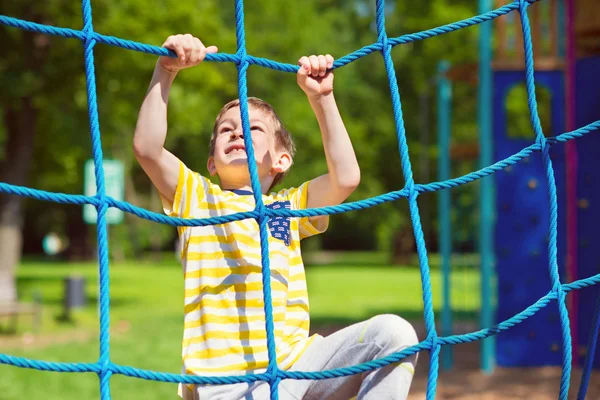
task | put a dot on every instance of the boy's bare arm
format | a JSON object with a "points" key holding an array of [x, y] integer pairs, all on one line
{"points": [[160, 165], [343, 174]]}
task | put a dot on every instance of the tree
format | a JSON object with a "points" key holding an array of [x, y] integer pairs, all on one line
{"points": [[28, 83], [45, 131]]}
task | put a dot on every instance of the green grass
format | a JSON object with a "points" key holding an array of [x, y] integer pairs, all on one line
{"points": [[147, 299]]}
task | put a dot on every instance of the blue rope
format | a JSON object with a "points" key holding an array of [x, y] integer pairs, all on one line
{"points": [[263, 218], [553, 225], [412, 200], [89, 42], [263, 62], [104, 368], [393, 358], [167, 377], [64, 198]]}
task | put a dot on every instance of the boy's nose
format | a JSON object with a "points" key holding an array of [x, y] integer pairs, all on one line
{"points": [[235, 134]]}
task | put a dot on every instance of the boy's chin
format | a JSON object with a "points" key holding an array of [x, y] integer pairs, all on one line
{"points": [[236, 169], [240, 161]]}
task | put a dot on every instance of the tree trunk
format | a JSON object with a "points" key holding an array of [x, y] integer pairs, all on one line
{"points": [[131, 220], [404, 246], [19, 120], [78, 233]]}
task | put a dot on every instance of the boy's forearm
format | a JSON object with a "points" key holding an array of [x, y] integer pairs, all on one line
{"points": [[151, 128], [343, 167]]}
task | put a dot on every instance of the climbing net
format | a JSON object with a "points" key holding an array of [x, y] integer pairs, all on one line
{"points": [[105, 368]]}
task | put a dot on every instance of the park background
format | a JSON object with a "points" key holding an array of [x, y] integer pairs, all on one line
{"points": [[365, 264]]}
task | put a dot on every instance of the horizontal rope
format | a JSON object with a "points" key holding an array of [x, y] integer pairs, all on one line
{"points": [[105, 368], [310, 212], [263, 62], [339, 372]]}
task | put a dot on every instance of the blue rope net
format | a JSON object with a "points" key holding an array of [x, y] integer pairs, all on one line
{"points": [[105, 368]]}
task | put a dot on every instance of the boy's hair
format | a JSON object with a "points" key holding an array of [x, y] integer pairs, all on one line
{"points": [[283, 138]]}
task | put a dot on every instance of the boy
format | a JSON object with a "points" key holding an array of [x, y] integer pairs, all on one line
{"points": [[224, 328]]}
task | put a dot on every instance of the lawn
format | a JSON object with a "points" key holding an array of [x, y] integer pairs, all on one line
{"points": [[146, 316]]}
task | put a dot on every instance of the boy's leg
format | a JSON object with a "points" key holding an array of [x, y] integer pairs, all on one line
{"points": [[369, 340]]}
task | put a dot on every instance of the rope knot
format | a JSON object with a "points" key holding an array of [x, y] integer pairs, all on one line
{"points": [[433, 338], [89, 35], [560, 291], [273, 374], [105, 368], [523, 4], [262, 212], [542, 141], [383, 39], [241, 57], [103, 206], [410, 186]]}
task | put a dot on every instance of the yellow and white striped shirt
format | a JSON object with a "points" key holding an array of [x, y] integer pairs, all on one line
{"points": [[224, 332]]}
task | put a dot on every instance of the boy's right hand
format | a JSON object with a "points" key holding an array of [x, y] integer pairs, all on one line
{"points": [[189, 49]]}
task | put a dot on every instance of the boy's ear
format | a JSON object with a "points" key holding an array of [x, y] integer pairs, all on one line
{"points": [[282, 164], [210, 165]]}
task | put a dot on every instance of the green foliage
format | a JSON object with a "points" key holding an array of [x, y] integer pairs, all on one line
{"points": [[275, 29], [518, 119]]}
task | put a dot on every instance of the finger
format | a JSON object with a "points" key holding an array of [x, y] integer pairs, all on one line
{"points": [[197, 51], [322, 65], [330, 61], [201, 50], [304, 64], [168, 44], [212, 49], [178, 47], [202, 55], [314, 65], [188, 46]]}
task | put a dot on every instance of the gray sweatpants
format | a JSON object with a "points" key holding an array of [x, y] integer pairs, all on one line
{"points": [[358, 343]]}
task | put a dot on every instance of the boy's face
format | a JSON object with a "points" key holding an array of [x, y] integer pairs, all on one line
{"points": [[229, 160]]}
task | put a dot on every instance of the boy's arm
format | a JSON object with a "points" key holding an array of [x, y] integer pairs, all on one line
{"points": [[160, 165], [343, 174]]}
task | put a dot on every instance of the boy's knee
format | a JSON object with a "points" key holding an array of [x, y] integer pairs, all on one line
{"points": [[392, 332]]}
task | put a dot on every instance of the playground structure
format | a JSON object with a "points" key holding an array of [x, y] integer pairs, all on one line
{"points": [[105, 368], [566, 43]]}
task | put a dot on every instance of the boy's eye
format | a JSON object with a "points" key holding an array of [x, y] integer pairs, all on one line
{"points": [[254, 128]]}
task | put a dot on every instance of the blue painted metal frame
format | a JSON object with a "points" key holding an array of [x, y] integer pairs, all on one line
{"points": [[487, 206], [444, 109]]}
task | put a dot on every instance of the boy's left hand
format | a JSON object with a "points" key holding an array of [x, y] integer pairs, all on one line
{"points": [[314, 76]]}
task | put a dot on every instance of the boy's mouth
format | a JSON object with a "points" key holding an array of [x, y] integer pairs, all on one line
{"points": [[235, 147]]}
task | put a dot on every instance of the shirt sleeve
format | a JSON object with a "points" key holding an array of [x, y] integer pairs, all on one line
{"points": [[298, 198], [190, 192]]}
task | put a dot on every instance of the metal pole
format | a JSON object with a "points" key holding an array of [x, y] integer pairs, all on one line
{"points": [[424, 111], [444, 100], [487, 200]]}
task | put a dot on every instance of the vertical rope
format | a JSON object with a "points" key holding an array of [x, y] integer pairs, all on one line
{"points": [[412, 201], [553, 225], [90, 76], [104, 368], [257, 190]]}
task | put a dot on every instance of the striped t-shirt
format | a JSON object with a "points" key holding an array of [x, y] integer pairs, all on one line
{"points": [[224, 331]]}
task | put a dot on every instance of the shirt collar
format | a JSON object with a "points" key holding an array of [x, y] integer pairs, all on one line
{"points": [[240, 192]]}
